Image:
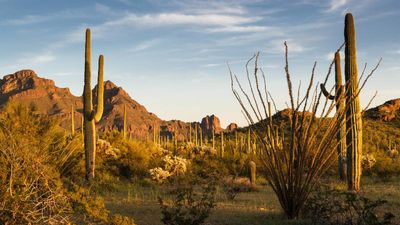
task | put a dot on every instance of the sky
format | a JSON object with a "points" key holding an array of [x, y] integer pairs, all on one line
{"points": [[171, 56]]}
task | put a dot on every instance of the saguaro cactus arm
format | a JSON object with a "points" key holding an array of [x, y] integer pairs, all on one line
{"points": [[100, 90], [326, 93]]}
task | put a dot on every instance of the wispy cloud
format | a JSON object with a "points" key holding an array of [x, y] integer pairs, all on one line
{"points": [[26, 20], [34, 59], [337, 4], [144, 45]]}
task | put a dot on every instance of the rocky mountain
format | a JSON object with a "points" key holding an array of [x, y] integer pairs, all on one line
{"points": [[388, 111], [210, 123], [26, 87]]}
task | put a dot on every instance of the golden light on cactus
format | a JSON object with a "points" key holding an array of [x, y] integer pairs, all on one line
{"points": [[340, 107], [91, 116], [353, 110]]}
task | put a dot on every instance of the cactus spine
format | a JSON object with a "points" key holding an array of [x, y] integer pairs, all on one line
{"points": [[91, 116], [72, 120], [340, 107], [353, 112]]}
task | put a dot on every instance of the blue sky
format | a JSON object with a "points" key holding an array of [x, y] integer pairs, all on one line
{"points": [[171, 56]]}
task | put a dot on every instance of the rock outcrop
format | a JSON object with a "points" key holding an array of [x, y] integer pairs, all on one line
{"points": [[388, 111], [210, 123], [232, 127]]}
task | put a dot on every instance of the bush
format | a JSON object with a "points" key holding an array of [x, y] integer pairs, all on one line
{"points": [[31, 191], [328, 206], [135, 157], [188, 207], [118, 219], [233, 186]]}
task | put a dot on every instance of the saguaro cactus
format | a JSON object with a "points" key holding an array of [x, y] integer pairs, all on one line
{"points": [[124, 125], [340, 107], [248, 142], [72, 120], [222, 145], [91, 116], [213, 138], [253, 175], [353, 111]]}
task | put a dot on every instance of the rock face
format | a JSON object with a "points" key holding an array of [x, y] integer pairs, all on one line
{"points": [[232, 127], [210, 123], [385, 112], [26, 87], [139, 121]]}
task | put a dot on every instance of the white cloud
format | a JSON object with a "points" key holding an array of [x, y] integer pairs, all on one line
{"points": [[238, 29], [163, 19], [144, 45], [34, 59], [330, 56], [26, 20], [336, 4]]}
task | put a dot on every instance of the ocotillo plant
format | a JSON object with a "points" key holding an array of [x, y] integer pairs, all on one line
{"points": [[340, 107], [91, 116], [253, 175], [124, 125], [353, 111], [72, 120]]}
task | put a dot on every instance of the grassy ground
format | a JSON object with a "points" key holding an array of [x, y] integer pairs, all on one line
{"points": [[253, 208]]}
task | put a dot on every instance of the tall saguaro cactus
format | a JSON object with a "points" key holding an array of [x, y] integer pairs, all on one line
{"points": [[340, 107], [124, 125], [353, 111], [253, 175], [91, 116], [72, 120]]}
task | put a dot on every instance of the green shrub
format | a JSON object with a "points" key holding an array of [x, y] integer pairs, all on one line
{"points": [[333, 207], [135, 158], [31, 191], [188, 207], [118, 219]]}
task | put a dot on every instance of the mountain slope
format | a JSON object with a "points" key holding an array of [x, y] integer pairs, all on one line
{"points": [[26, 87]]}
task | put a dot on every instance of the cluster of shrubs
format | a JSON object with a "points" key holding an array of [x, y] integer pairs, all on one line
{"points": [[41, 174], [330, 206]]}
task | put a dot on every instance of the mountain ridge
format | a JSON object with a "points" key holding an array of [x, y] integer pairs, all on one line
{"points": [[25, 87]]}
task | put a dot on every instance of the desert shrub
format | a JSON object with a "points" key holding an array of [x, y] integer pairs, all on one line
{"points": [[86, 204], [232, 186], [173, 166], [329, 206], [188, 206], [135, 157], [118, 219], [31, 191]]}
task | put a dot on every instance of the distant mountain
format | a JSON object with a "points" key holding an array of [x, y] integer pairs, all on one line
{"points": [[26, 87], [388, 111]]}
